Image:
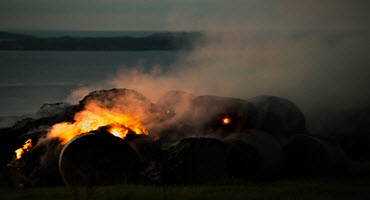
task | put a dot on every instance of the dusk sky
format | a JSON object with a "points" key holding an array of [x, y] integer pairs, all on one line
{"points": [[184, 14]]}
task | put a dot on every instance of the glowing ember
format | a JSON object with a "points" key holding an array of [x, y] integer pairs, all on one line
{"points": [[225, 120], [157, 138], [93, 118], [26, 148]]}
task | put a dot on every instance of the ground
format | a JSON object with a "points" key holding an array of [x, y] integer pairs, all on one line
{"points": [[354, 186]]}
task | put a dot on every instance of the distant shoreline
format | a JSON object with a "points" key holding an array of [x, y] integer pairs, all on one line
{"points": [[166, 41]]}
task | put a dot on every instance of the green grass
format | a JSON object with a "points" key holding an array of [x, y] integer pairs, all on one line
{"points": [[354, 186]]}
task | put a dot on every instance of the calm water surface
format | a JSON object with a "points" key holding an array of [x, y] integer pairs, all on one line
{"points": [[28, 79]]}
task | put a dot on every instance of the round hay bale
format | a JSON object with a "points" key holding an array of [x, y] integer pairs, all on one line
{"points": [[122, 101], [114, 97], [278, 117], [209, 113], [38, 167], [242, 159], [146, 147], [97, 159], [253, 155], [149, 150], [196, 161], [310, 155]]}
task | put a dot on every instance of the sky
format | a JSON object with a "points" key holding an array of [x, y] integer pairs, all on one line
{"points": [[284, 15]]}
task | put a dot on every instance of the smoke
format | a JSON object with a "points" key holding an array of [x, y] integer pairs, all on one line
{"points": [[317, 59], [314, 70], [78, 94]]}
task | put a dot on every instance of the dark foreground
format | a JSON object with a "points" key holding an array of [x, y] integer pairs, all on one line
{"points": [[354, 185]]}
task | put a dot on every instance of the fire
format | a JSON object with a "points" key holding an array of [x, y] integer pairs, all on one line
{"points": [[93, 118], [226, 120], [26, 148]]}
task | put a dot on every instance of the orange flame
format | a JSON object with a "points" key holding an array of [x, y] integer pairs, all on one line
{"points": [[93, 118], [26, 148], [226, 120]]}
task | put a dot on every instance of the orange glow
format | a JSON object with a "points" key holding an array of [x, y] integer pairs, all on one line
{"points": [[26, 148], [157, 138], [93, 118], [226, 120]]}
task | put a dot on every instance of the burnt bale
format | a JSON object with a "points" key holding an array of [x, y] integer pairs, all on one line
{"points": [[97, 159], [278, 117], [311, 155], [253, 155], [196, 161]]}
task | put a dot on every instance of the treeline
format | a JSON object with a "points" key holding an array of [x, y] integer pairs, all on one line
{"points": [[13, 36], [157, 41]]}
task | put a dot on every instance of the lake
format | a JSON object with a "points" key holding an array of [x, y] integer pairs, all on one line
{"points": [[28, 79]]}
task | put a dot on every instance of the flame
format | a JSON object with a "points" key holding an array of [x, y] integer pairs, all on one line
{"points": [[93, 118], [26, 148], [226, 120]]}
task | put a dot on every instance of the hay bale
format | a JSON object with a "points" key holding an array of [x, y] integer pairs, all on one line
{"points": [[38, 167], [97, 159], [110, 98], [123, 101], [149, 150], [278, 117], [204, 115], [310, 155], [196, 161], [208, 112], [242, 159], [146, 147], [253, 155]]}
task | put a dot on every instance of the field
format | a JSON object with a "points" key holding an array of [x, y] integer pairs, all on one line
{"points": [[355, 185]]}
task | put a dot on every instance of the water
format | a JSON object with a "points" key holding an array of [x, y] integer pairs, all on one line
{"points": [[28, 79]]}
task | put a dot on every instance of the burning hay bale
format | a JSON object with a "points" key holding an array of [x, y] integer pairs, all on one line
{"points": [[38, 165], [196, 161], [310, 155], [98, 159], [121, 100], [279, 117], [253, 155]]}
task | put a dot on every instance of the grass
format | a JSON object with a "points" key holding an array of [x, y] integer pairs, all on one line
{"points": [[354, 186]]}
